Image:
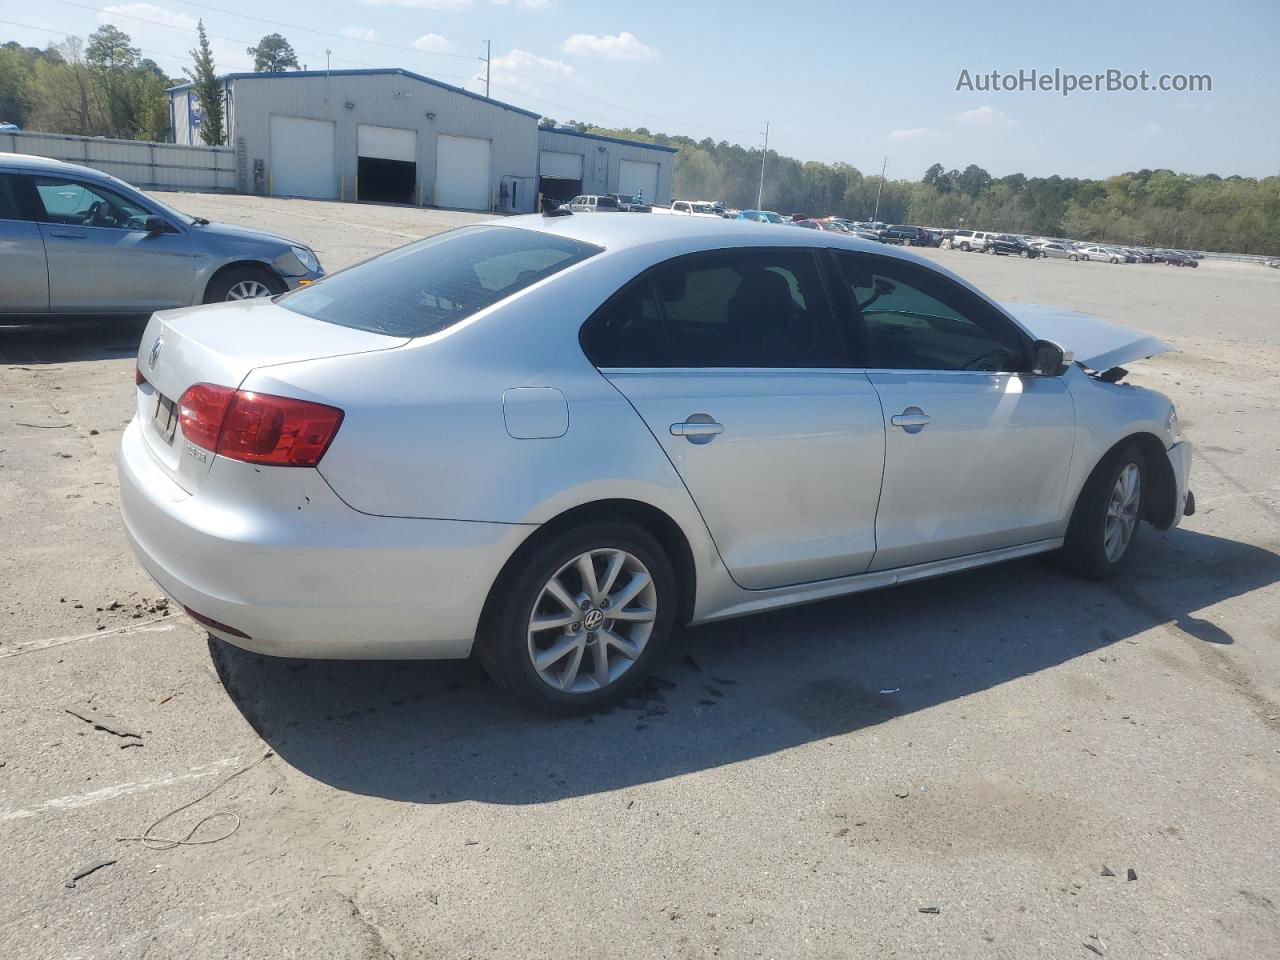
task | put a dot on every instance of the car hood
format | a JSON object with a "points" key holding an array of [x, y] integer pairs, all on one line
{"points": [[1098, 344], [234, 232]]}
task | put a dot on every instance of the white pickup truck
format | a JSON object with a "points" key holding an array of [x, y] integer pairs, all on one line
{"points": [[689, 208]]}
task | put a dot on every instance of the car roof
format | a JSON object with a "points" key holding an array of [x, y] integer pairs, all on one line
{"points": [[29, 163], [685, 233]]}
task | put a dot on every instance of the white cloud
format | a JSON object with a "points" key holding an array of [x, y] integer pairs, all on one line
{"points": [[624, 46], [986, 117], [1150, 130], [524, 60], [358, 33], [147, 11], [518, 71], [912, 133], [525, 4], [432, 43], [423, 4]]}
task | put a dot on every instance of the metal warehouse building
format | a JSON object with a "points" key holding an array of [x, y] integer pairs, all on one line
{"points": [[572, 163], [374, 135]]}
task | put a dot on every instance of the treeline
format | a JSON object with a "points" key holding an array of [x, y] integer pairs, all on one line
{"points": [[105, 87], [1148, 207]]}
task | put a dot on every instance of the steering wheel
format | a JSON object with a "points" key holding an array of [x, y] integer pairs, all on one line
{"points": [[99, 214], [990, 357]]}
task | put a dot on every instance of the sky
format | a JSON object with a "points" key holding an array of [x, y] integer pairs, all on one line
{"points": [[850, 81]]}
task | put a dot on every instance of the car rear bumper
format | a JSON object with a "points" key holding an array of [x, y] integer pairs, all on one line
{"points": [[274, 554]]}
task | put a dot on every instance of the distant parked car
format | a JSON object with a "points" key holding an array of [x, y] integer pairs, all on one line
{"points": [[1006, 244], [79, 242], [1103, 254], [907, 236], [631, 204], [688, 208], [968, 240], [1176, 258], [593, 203], [761, 216], [1057, 250], [1139, 256]]}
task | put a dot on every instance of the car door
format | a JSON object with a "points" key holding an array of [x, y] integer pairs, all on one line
{"points": [[976, 447], [734, 362], [101, 257], [24, 274]]}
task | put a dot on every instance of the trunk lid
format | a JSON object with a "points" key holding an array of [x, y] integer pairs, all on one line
{"points": [[221, 344], [1098, 344]]}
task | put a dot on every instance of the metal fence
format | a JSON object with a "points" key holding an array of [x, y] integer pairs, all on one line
{"points": [[155, 166]]}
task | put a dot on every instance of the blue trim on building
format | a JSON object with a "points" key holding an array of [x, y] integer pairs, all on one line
{"points": [[569, 132], [370, 72]]}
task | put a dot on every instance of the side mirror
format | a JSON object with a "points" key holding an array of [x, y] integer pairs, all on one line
{"points": [[156, 225], [1050, 360]]}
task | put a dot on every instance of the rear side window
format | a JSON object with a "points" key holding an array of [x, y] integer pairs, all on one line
{"points": [[430, 285], [747, 308]]}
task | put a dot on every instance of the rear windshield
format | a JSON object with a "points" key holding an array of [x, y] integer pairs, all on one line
{"points": [[430, 285]]}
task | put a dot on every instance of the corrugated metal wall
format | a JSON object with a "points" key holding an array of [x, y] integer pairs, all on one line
{"points": [[601, 159], [386, 100], [155, 166]]}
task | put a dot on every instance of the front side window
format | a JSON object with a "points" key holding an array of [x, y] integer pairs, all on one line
{"points": [[430, 285], [15, 200], [741, 308], [908, 317], [80, 204]]}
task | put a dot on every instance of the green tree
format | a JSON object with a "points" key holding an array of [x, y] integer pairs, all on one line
{"points": [[273, 54], [204, 78], [15, 87]]}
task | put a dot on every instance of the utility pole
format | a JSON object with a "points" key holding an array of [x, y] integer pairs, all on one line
{"points": [[327, 51], [488, 55], [875, 217], [760, 192]]}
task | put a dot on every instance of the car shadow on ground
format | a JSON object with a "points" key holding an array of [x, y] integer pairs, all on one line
{"points": [[439, 732], [69, 341]]}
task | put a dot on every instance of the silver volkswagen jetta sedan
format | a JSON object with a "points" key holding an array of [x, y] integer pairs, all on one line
{"points": [[78, 242], [550, 440]]}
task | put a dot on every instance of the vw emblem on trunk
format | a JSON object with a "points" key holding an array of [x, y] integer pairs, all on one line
{"points": [[155, 353]]}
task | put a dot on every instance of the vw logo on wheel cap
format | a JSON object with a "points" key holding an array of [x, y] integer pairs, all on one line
{"points": [[593, 619], [155, 353]]}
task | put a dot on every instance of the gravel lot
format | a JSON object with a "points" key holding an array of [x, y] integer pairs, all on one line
{"points": [[772, 802]]}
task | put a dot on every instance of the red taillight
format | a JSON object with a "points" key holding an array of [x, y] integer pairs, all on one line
{"points": [[200, 412], [257, 427]]}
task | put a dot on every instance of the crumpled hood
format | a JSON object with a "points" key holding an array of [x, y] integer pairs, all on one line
{"points": [[1098, 344]]}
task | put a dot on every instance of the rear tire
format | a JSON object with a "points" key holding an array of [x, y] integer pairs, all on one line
{"points": [[1023, 254], [605, 647], [1074, 257], [243, 283], [1107, 517]]}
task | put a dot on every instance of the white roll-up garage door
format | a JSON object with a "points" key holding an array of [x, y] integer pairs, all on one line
{"points": [[638, 178], [302, 158], [561, 166], [462, 173], [387, 143]]}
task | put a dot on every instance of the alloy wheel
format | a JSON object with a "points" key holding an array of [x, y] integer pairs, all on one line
{"points": [[1122, 512], [248, 290], [592, 620]]}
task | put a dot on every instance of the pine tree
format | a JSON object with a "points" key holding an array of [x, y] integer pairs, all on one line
{"points": [[205, 80]]}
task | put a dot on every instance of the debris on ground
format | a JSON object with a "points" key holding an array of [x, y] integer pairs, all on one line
{"points": [[85, 871], [98, 723], [42, 426], [1132, 874], [1106, 871], [929, 910], [902, 794], [1093, 947]]}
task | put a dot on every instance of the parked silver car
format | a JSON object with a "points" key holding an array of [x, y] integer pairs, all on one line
{"points": [[79, 242], [550, 440]]}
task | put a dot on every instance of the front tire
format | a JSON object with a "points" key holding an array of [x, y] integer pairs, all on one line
{"points": [[243, 283], [1075, 258], [1107, 516], [575, 625], [1023, 254]]}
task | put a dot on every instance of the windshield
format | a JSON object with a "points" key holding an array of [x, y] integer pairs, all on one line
{"points": [[774, 217], [430, 285]]}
